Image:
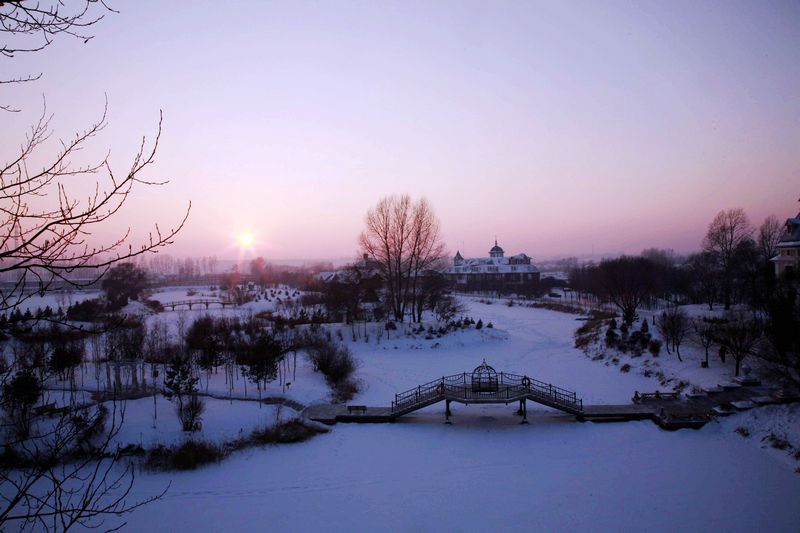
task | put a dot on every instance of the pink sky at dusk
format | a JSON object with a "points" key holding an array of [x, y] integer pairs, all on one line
{"points": [[559, 127]]}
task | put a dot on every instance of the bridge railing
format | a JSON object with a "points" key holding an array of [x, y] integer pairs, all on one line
{"points": [[507, 386], [420, 394], [197, 302], [547, 391]]}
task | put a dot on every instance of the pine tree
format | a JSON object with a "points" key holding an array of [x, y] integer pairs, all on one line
{"points": [[181, 386]]}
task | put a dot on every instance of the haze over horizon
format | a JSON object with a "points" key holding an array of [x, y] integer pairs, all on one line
{"points": [[560, 128]]}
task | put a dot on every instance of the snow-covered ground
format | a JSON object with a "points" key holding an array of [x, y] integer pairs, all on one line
{"points": [[223, 420], [535, 342], [486, 471], [56, 299], [774, 428]]}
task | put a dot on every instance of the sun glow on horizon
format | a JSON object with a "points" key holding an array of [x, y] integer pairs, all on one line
{"points": [[246, 240]]}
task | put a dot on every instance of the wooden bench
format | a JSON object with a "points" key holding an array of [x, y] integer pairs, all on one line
{"points": [[357, 409], [657, 395]]}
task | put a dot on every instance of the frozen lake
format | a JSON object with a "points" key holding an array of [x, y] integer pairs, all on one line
{"points": [[485, 472]]}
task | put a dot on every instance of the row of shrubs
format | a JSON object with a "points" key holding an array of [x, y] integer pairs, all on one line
{"points": [[299, 318], [634, 342], [453, 325], [97, 309], [192, 454]]}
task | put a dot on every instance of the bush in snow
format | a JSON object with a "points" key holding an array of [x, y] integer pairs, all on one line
{"points": [[186, 456], [611, 338], [181, 386], [87, 311], [777, 442], [336, 363], [285, 432], [447, 308], [654, 347], [20, 394]]}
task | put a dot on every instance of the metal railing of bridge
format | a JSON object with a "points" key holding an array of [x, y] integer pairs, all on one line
{"points": [[506, 386]]}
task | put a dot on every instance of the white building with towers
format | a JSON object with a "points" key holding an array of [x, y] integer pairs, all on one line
{"points": [[496, 273]]}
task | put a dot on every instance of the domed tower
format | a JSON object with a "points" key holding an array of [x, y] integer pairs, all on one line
{"points": [[496, 251]]}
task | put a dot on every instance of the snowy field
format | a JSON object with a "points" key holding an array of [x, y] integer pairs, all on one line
{"points": [[535, 342], [147, 425], [486, 471]]}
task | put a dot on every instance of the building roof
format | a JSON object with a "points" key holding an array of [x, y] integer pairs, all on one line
{"points": [[496, 248], [791, 237]]}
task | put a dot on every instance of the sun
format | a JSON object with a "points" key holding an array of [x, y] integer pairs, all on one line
{"points": [[246, 240]]}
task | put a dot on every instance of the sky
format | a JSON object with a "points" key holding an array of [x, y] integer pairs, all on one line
{"points": [[560, 128]]}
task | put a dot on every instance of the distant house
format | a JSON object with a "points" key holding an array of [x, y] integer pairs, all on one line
{"points": [[787, 261], [364, 268], [495, 273], [353, 292]]}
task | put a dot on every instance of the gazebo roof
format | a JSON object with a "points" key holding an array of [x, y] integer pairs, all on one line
{"points": [[483, 370]]}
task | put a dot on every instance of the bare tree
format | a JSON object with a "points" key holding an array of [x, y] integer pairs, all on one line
{"points": [[727, 232], [703, 270], [627, 282], [70, 474], [34, 25], [63, 477], [28, 26], [673, 325], [45, 231], [769, 234], [703, 335], [740, 334], [404, 237]]}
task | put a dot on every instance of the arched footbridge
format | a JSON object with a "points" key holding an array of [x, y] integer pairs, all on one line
{"points": [[485, 385]]}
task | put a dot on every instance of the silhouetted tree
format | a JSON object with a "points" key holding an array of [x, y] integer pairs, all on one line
{"points": [[727, 232], [673, 325], [123, 282], [703, 334], [740, 335], [782, 328], [404, 238], [260, 271], [432, 288], [180, 385], [627, 282], [769, 234], [704, 278], [69, 474], [46, 231], [20, 394]]}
